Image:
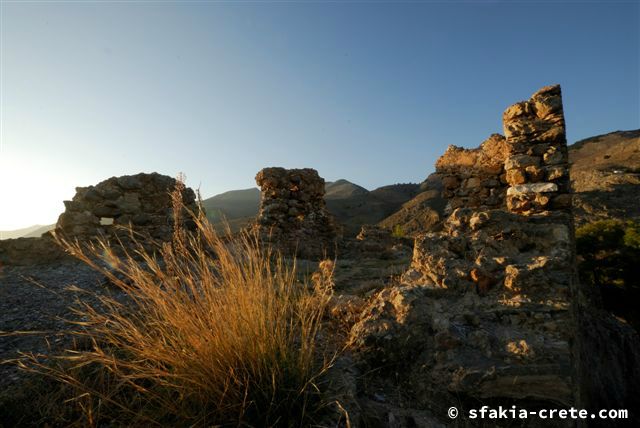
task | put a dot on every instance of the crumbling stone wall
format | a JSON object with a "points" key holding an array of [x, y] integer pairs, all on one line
{"points": [[485, 312], [142, 201], [474, 177], [292, 212], [537, 167], [30, 251]]}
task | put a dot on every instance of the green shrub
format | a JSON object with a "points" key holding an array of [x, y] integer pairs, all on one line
{"points": [[632, 235], [609, 258], [398, 231]]}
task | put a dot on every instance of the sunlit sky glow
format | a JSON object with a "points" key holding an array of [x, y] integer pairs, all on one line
{"points": [[371, 92]]}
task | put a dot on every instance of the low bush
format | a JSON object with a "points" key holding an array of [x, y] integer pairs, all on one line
{"points": [[609, 259]]}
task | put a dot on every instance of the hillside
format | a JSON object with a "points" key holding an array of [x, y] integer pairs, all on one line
{"points": [[28, 232], [233, 205], [423, 212], [370, 207], [605, 175], [343, 189]]}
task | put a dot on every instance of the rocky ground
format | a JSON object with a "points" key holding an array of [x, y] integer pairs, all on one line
{"points": [[36, 304], [36, 300], [37, 310]]}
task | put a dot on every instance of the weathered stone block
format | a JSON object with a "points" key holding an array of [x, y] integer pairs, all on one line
{"points": [[535, 174], [554, 157], [532, 188], [521, 161], [556, 172]]}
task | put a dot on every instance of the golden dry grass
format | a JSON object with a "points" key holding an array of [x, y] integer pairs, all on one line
{"points": [[214, 332]]}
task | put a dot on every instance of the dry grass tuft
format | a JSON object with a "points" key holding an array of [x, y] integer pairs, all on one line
{"points": [[215, 332]]}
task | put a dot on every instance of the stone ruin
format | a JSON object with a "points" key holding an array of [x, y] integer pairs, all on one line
{"points": [[292, 215], [527, 170], [142, 201], [474, 178], [490, 308], [537, 166]]}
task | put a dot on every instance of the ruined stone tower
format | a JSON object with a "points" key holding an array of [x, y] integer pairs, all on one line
{"points": [[292, 216], [486, 310], [142, 201]]}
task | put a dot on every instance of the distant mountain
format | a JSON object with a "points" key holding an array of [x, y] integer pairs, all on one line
{"points": [[233, 205], [368, 208], [422, 212], [396, 194], [343, 189], [28, 232], [39, 231]]}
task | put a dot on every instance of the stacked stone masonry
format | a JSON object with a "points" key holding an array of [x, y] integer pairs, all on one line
{"points": [[485, 312], [142, 201], [292, 215], [537, 166], [474, 177], [30, 251]]}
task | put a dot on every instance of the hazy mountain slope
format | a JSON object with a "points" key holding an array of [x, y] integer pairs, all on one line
{"points": [[370, 207], [421, 213], [39, 231], [605, 175], [233, 205], [397, 194], [352, 205], [21, 233], [343, 189]]}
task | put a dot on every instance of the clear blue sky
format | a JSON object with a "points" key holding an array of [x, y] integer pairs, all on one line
{"points": [[371, 92]]}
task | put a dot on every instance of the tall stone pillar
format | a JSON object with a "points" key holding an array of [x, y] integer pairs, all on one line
{"points": [[292, 216], [537, 166]]}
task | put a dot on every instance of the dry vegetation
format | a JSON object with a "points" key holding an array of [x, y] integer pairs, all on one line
{"points": [[215, 332]]}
